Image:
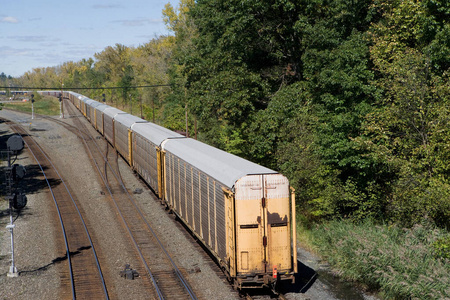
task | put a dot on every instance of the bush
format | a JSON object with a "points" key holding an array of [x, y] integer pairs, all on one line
{"points": [[401, 263]]}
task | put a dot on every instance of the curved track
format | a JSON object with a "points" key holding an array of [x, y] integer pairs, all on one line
{"points": [[83, 277], [167, 279]]}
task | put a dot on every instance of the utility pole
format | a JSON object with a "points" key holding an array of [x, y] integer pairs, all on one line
{"points": [[140, 100], [186, 112], [153, 108], [131, 106], [62, 98]]}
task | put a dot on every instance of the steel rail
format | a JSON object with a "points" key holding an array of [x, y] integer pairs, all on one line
{"points": [[176, 269], [105, 181], [81, 134], [60, 216]]}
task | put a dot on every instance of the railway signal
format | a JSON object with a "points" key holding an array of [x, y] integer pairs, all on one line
{"points": [[17, 200], [15, 144], [18, 172], [60, 105]]}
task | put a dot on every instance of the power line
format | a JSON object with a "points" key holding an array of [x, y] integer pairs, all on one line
{"points": [[83, 88]]}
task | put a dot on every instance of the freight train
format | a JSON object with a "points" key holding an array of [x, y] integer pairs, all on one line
{"points": [[243, 213]]}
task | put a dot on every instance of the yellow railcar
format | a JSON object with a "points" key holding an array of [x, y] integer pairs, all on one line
{"points": [[243, 213]]}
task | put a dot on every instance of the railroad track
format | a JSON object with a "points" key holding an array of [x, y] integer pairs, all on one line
{"points": [[168, 281], [82, 278]]}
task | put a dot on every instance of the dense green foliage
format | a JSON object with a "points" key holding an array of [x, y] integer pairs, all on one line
{"points": [[348, 99], [401, 263]]}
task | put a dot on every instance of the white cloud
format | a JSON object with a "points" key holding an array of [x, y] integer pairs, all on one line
{"points": [[28, 38], [107, 6], [9, 20], [138, 22], [8, 51]]}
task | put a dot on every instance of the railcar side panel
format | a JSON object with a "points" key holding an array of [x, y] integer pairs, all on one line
{"points": [[83, 105], [145, 158], [77, 101], [123, 124], [108, 127], [121, 139], [108, 123], [92, 105], [87, 110], [99, 120], [99, 109], [181, 186]]}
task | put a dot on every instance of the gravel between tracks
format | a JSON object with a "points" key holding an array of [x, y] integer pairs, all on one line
{"points": [[35, 247]]}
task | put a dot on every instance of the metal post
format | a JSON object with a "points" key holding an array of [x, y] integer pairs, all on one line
{"points": [[62, 97], [294, 230], [60, 108], [12, 269], [131, 106], [153, 109], [186, 112], [140, 100], [32, 106]]}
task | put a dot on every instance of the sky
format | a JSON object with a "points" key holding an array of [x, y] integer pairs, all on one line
{"points": [[48, 33]]}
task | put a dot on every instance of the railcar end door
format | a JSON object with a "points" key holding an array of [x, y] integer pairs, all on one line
{"points": [[250, 225], [262, 224]]}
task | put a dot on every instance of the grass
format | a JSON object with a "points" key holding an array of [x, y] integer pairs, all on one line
{"points": [[43, 105], [400, 263]]}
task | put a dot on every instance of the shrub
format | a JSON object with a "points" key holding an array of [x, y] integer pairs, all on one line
{"points": [[401, 263]]}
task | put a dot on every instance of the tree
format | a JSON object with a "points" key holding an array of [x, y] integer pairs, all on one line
{"points": [[114, 64], [178, 20], [408, 132]]}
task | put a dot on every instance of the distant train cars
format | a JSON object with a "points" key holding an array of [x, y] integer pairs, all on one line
{"points": [[242, 212]]}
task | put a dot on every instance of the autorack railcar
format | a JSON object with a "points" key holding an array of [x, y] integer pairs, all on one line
{"points": [[243, 213], [240, 210]]}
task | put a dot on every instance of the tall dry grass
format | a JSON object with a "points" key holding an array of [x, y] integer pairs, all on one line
{"points": [[402, 263]]}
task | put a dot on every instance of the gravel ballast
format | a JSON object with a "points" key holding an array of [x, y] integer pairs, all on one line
{"points": [[34, 234], [37, 252]]}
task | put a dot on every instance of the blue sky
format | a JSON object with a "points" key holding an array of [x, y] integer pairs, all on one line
{"points": [[48, 33]]}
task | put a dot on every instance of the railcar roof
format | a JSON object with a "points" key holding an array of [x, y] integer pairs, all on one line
{"points": [[102, 107], [112, 111], [84, 98], [154, 133], [224, 167], [128, 120], [92, 103]]}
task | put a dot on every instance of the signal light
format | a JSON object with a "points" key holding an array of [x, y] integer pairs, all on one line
{"points": [[18, 172], [15, 143], [18, 201]]}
